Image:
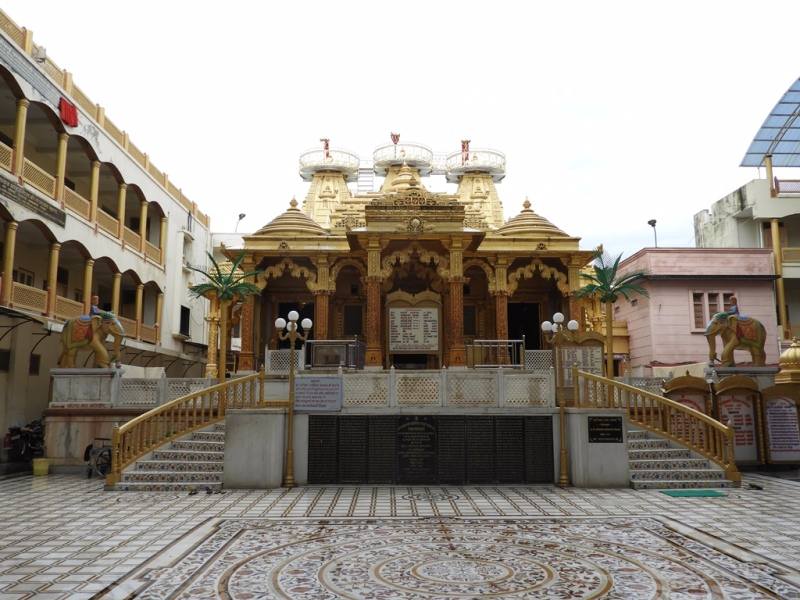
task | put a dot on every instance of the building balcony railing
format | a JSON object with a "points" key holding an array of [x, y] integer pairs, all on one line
{"points": [[312, 161], [480, 160], [494, 353], [148, 333], [5, 156], [791, 254], [412, 154], [131, 238], [787, 186], [77, 203], [152, 252], [107, 223], [29, 298], [68, 309], [38, 178], [129, 326]]}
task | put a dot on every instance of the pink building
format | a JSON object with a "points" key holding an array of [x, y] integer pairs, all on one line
{"points": [[687, 286]]}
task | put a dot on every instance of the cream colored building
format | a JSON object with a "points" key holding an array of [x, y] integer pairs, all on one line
{"points": [[84, 211]]}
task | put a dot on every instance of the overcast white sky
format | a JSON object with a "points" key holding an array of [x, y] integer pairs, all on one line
{"points": [[610, 113]]}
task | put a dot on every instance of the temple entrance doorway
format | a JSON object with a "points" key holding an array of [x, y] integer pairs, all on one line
{"points": [[524, 319]]}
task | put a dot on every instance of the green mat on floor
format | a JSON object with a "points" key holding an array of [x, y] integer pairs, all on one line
{"points": [[693, 493]]}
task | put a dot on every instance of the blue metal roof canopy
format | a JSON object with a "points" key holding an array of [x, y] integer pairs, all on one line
{"points": [[779, 136]]}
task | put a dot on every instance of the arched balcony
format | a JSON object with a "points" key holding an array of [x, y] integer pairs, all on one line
{"points": [[28, 257], [155, 232], [108, 198], [10, 94], [40, 150], [106, 282], [73, 281], [131, 290], [78, 176], [152, 306]]}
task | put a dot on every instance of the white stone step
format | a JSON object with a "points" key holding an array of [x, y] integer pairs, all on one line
{"points": [[666, 463], [660, 454], [667, 484], [198, 445], [145, 486], [648, 444], [171, 476], [184, 455], [209, 436], [676, 474], [173, 465]]}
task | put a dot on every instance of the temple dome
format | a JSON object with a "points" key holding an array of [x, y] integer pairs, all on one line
{"points": [[405, 179], [789, 362], [292, 222], [529, 224]]}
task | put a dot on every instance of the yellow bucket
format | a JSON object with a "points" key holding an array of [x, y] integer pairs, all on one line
{"points": [[41, 466]]}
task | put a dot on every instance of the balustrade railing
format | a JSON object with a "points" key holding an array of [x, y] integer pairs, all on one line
{"points": [[68, 309], [178, 417], [152, 252], [131, 238], [277, 361], [38, 178], [5, 156], [107, 222], [698, 432], [486, 388], [791, 254], [148, 333], [29, 298], [77, 203], [493, 353], [129, 325]]}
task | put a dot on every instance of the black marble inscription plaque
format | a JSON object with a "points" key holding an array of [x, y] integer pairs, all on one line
{"points": [[381, 449], [353, 447], [452, 450], [539, 450], [416, 449], [605, 430], [322, 450], [480, 450], [510, 444]]}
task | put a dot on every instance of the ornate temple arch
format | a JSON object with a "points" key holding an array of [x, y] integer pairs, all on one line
{"points": [[544, 270], [486, 268], [295, 270], [341, 264], [425, 256]]}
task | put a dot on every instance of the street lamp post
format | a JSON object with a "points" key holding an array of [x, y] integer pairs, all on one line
{"points": [[292, 335], [554, 333]]}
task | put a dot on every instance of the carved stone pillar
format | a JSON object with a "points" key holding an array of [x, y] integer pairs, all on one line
{"points": [[374, 354], [501, 315], [574, 280], [246, 357], [458, 353], [321, 312], [52, 279]]}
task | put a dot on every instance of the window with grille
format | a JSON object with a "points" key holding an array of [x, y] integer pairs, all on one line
{"points": [[23, 276], [706, 304]]}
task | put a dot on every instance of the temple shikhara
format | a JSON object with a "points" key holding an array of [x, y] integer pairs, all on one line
{"points": [[416, 275]]}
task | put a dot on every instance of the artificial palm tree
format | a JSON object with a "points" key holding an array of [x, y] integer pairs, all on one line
{"points": [[223, 288], [607, 286]]}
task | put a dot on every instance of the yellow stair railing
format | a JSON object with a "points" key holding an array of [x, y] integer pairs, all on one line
{"points": [[693, 429], [183, 415]]}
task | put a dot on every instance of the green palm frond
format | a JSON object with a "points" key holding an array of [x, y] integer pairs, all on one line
{"points": [[225, 285], [607, 285]]}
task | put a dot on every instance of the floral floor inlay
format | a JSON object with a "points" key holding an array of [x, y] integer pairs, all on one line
{"points": [[443, 558]]}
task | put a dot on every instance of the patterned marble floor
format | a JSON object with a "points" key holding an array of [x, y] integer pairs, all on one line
{"points": [[63, 537]]}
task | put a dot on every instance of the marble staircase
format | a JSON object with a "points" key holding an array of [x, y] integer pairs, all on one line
{"points": [[192, 462], [657, 463]]}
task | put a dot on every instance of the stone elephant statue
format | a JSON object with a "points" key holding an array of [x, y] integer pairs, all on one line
{"points": [[737, 333], [91, 331]]}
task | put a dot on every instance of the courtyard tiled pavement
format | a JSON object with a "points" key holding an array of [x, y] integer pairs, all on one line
{"points": [[63, 537]]}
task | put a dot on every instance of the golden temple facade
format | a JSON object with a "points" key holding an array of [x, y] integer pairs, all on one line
{"points": [[354, 262]]}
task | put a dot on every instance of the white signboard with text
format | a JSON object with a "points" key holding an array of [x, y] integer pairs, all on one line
{"points": [[318, 393], [413, 329], [783, 430], [739, 409]]}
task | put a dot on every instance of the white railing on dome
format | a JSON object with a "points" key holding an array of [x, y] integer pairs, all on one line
{"points": [[410, 152], [482, 158], [277, 361], [342, 159], [489, 388]]}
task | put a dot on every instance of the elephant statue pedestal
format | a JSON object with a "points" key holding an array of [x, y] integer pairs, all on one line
{"points": [[84, 387]]}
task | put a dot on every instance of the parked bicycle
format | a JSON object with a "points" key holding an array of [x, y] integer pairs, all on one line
{"points": [[26, 442], [98, 457]]}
